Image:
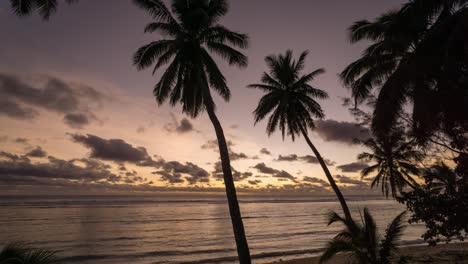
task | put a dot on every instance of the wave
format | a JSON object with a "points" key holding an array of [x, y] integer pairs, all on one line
{"points": [[230, 258], [122, 202]]}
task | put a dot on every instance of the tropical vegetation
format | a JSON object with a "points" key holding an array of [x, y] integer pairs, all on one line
{"points": [[20, 254], [290, 100], [191, 35], [362, 242], [394, 163]]}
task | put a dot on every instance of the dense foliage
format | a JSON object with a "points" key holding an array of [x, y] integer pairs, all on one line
{"points": [[442, 202], [20, 254], [362, 241]]}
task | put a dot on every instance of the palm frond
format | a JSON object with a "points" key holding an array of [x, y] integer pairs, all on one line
{"points": [[146, 55], [392, 235], [233, 56]]}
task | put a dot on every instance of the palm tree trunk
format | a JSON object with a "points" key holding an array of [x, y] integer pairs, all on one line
{"points": [[234, 210], [335, 188]]}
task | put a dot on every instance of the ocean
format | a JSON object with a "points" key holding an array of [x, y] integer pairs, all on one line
{"points": [[180, 228]]}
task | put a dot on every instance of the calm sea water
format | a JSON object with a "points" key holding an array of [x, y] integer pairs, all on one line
{"points": [[178, 229]]}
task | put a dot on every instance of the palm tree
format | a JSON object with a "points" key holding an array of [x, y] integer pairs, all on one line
{"points": [[19, 254], [191, 35], [417, 55], [45, 7], [362, 241], [291, 101], [393, 160]]}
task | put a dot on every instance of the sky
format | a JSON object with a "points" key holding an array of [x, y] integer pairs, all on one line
{"points": [[77, 117]]}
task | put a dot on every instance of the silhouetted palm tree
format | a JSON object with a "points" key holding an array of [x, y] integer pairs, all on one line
{"points": [[45, 7], [417, 55], [362, 242], [19, 254], [394, 163], [290, 99], [442, 178], [191, 34]]}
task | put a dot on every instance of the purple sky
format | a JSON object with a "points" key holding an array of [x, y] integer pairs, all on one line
{"points": [[88, 47]]}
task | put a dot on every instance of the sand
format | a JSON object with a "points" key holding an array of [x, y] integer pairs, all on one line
{"points": [[456, 253]]}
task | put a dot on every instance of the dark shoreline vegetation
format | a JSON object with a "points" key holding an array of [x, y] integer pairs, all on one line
{"points": [[409, 88]]}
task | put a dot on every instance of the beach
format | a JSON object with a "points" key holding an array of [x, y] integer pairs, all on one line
{"points": [[455, 253]]}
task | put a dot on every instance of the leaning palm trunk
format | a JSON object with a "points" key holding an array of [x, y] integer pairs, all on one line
{"points": [[234, 210], [335, 188]]}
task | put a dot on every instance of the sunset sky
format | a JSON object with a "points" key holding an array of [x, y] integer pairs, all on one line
{"points": [[77, 117]]}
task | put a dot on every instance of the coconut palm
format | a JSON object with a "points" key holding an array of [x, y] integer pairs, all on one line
{"points": [[290, 99], [191, 34], [417, 55], [362, 241], [45, 7], [393, 163], [19, 254]]}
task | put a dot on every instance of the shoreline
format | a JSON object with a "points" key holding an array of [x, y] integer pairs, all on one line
{"points": [[453, 253]]}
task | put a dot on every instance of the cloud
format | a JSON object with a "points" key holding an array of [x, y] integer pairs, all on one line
{"points": [[15, 110], [76, 120], [172, 172], [348, 180], [213, 145], [236, 175], [254, 182], [22, 101], [291, 157], [141, 130], [341, 131], [20, 169], [280, 174], [315, 180], [353, 167], [171, 178], [37, 152], [22, 141], [116, 150], [306, 158], [182, 127], [265, 151]]}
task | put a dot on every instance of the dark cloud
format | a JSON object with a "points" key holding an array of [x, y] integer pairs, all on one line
{"points": [[342, 132], [22, 141], [254, 182], [172, 172], [182, 127], [280, 174], [315, 180], [21, 100], [213, 145], [343, 179], [171, 178], [37, 152], [21, 169], [236, 175], [265, 151], [112, 149], [353, 167], [306, 158], [141, 130], [291, 157], [76, 120], [15, 110]]}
